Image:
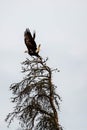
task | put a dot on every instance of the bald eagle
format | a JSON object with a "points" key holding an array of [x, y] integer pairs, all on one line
{"points": [[31, 44]]}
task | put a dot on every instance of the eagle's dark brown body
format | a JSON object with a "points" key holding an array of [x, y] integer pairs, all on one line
{"points": [[30, 43]]}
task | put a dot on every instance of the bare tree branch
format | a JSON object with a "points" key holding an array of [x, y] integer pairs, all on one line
{"points": [[35, 97]]}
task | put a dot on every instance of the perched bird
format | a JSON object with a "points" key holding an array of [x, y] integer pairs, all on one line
{"points": [[29, 40]]}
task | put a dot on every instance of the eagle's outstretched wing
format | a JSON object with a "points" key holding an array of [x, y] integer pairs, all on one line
{"points": [[30, 43], [29, 40], [34, 35]]}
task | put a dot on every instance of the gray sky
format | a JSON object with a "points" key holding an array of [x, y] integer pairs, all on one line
{"points": [[61, 28]]}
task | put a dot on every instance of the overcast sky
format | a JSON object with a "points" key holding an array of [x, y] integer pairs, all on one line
{"points": [[61, 29]]}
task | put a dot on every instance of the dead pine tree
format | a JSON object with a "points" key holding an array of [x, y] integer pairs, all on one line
{"points": [[37, 103]]}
